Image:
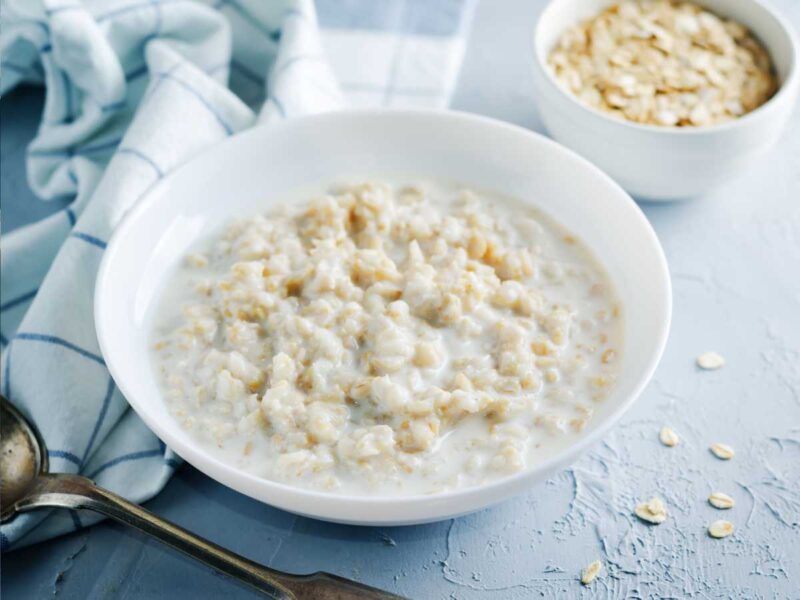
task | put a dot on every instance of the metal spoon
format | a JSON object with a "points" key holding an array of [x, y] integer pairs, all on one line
{"points": [[26, 484]]}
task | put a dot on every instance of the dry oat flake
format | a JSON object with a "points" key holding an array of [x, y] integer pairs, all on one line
{"points": [[591, 572], [722, 451], [666, 63], [668, 437], [721, 500], [652, 511], [710, 361], [720, 529]]}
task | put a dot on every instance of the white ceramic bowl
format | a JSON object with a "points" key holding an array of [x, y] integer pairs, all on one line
{"points": [[662, 163], [254, 170]]}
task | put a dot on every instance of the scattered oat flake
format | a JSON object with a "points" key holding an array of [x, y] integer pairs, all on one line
{"points": [[710, 361], [722, 451], [652, 511], [668, 437], [589, 573], [720, 529], [721, 500]]}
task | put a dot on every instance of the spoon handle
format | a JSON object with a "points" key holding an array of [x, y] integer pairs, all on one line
{"points": [[76, 492]]}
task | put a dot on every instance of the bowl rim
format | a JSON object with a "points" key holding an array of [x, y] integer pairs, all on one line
{"points": [[761, 112], [499, 489]]}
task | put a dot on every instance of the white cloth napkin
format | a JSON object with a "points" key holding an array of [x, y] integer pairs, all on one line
{"points": [[135, 88]]}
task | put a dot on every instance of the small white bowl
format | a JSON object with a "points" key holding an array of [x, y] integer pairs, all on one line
{"points": [[254, 171], [666, 163]]}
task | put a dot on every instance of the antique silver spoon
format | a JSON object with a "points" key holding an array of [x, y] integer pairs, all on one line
{"points": [[26, 484]]}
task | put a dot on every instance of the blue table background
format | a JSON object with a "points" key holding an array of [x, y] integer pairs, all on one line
{"points": [[735, 263]]}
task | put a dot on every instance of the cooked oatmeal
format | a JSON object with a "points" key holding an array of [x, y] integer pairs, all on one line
{"points": [[388, 340]]}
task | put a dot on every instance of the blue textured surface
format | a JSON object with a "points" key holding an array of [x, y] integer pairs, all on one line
{"points": [[735, 261]]}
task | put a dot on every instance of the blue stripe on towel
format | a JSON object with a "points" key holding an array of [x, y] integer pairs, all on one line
{"points": [[17, 301], [90, 239], [278, 104], [125, 458], [144, 157], [228, 129], [111, 107], [109, 145], [68, 456], [135, 73], [56, 341], [72, 150], [100, 418]]}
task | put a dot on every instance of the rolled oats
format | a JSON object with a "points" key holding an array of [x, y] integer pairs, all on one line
{"points": [[591, 572], [710, 361], [720, 529], [668, 437], [721, 500], [663, 62], [722, 451], [652, 511]]}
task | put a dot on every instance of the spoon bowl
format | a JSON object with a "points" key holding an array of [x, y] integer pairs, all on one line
{"points": [[22, 458]]}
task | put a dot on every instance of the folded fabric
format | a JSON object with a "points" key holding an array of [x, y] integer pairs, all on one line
{"points": [[135, 88]]}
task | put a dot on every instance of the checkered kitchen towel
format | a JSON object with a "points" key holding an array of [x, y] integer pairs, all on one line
{"points": [[134, 88]]}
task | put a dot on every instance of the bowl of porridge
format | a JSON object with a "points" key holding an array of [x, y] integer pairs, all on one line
{"points": [[383, 317], [670, 98]]}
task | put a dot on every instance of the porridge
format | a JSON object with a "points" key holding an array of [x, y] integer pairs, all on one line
{"points": [[665, 63], [388, 340]]}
